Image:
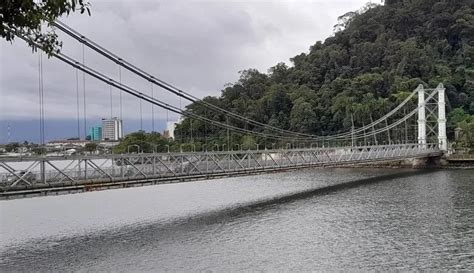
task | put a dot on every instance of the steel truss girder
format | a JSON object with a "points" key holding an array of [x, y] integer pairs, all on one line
{"points": [[114, 168]]}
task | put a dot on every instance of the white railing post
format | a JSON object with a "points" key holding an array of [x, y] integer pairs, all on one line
{"points": [[442, 139], [421, 116]]}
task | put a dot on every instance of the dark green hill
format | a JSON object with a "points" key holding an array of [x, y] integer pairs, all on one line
{"points": [[376, 54]]}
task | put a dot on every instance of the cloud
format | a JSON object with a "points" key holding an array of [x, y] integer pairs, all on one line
{"points": [[196, 45]]}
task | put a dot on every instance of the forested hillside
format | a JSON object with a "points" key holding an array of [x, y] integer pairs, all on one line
{"points": [[377, 55]]}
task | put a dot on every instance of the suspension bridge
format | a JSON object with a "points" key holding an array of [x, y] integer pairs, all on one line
{"points": [[414, 129]]}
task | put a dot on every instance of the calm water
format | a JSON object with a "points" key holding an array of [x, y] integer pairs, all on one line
{"points": [[387, 219]]}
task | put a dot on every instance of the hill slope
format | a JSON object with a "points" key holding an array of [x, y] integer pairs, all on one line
{"points": [[378, 53]]}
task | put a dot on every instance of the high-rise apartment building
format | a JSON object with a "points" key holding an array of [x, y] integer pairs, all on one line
{"points": [[169, 131], [95, 133], [112, 129]]}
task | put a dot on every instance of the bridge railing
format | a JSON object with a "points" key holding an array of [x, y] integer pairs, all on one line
{"points": [[34, 172]]}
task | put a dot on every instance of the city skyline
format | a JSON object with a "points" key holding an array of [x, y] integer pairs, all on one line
{"points": [[57, 129]]}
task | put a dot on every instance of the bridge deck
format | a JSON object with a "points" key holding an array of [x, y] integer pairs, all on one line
{"points": [[49, 175]]}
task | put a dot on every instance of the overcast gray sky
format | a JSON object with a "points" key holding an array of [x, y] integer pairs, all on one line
{"points": [[198, 46]]}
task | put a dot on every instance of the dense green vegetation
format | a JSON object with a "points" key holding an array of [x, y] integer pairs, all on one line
{"points": [[464, 122], [142, 142], [377, 55]]}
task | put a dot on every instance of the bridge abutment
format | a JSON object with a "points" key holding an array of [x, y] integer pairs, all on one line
{"points": [[426, 162]]}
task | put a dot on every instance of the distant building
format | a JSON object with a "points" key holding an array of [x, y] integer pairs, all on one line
{"points": [[67, 143], [169, 131], [112, 129], [95, 133], [109, 144]]}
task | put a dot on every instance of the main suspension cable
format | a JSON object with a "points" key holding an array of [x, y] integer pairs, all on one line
{"points": [[182, 94], [78, 105], [135, 93], [84, 93], [157, 102]]}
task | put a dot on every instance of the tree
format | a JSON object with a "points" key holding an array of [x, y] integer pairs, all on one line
{"points": [[466, 135], [302, 117], [148, 143], [38, 150], [458, 115], [248, 142], [344, 20], [26, 18], [391, 2], [12, 147], [91, 147], [279, 73]]}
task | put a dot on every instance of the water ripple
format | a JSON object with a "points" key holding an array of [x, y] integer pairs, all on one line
{"points": [[307, 220]]}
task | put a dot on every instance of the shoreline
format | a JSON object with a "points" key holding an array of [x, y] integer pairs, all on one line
{"points": [[440, 163]]}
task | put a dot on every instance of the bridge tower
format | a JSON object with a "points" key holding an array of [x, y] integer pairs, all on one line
{"points": [[435, 119], [442, 139], [421, 116]]}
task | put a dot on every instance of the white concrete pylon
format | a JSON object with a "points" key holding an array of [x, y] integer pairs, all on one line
{"points": [[442, 139], [421, 116]]}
